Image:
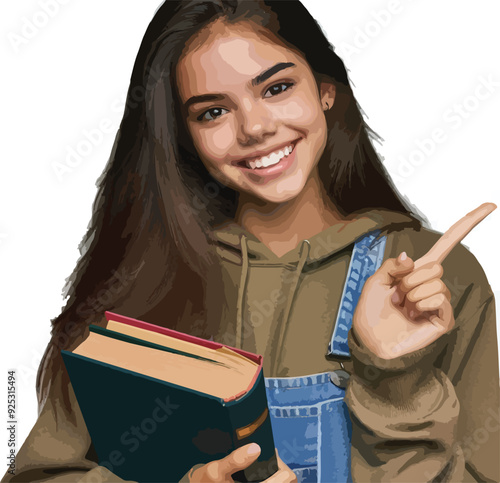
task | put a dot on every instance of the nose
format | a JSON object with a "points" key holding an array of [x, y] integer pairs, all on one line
{"points": [[256, 122]]}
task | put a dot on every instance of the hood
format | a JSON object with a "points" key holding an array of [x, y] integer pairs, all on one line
{"points": [[235, 244]]}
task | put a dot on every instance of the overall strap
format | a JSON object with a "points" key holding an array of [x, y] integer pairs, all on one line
{"points": [[365, 260]]}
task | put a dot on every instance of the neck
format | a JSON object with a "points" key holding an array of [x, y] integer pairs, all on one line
{"points": [[282, 226]]}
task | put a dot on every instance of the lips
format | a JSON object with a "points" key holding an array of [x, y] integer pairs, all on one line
{"points": [[242, 162], [269, 172]]}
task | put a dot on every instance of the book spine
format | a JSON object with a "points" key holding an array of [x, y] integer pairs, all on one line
{"points": [[251, 423]]}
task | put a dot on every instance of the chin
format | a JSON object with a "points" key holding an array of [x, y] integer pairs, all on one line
{"points": [[276, 197]]}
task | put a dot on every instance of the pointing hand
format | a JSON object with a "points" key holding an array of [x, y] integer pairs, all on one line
{"points": [[405, 306]]}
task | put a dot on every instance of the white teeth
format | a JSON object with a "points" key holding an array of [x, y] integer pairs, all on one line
{"points": [[273, 158]]}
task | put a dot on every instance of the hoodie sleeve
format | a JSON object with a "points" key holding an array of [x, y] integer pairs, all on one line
{"points": [[432, 415], [59, 447]]}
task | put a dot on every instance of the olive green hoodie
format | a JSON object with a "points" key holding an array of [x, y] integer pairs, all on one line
{"points": [[432, 415]]}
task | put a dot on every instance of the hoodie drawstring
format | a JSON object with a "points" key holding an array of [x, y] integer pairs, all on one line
{"points": [[241, 292], [304, 253]]}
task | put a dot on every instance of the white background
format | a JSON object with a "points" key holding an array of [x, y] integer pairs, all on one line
{"points": [[413, 64]]}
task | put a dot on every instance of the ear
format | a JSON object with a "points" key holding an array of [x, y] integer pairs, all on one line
{"points": [[327, 92]]}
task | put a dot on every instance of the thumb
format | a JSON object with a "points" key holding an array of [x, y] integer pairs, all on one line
{"points": [[393, 269], [239, 459]]}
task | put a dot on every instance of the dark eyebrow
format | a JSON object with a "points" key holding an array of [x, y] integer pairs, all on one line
{"points": [[255, 82], [271, 71], [203, 98]]}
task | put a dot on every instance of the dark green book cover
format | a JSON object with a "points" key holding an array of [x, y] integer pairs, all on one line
{"points": [[148, 430]]}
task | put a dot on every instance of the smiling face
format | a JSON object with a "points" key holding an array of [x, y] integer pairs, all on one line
{"points": [[253, 111]]}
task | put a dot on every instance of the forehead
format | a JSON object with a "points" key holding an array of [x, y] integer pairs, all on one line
{"points": [[228, 55]]}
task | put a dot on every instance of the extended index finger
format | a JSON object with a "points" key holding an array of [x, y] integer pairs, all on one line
{"points": [[454, 235]]}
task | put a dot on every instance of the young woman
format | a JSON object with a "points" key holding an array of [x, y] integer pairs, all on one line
{"points": [[242, 197]]}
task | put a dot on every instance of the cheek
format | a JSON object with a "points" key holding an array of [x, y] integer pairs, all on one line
{"points": [[215, 142], [292, 111], [301, 111]]}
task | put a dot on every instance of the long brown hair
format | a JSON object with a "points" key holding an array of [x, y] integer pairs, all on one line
{"points": [[146, 251]]}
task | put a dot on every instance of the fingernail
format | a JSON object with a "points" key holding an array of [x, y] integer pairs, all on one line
{"points": [[403, 256], [253, 449]]}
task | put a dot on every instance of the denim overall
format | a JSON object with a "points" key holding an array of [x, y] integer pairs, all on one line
{"points": [[310, 421]]}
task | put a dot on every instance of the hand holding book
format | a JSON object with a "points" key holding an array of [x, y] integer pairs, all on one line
{"points": [[240, 459]]}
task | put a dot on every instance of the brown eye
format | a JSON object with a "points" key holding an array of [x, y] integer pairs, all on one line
{"points": [[212, 114], [278, 89]]}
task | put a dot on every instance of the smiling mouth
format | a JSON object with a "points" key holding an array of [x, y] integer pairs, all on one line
{"points": [[269, 160]]}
